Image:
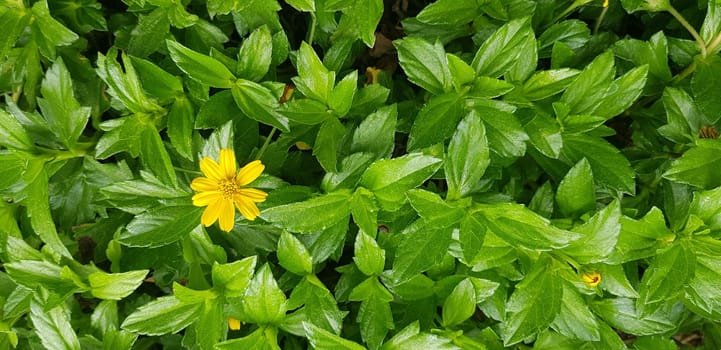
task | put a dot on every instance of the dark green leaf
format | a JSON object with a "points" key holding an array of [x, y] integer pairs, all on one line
{"points": [[163, 315], [293, 255], [575, 320], [610, 168], [698, 166], [599, 236], [258, 103], [450, 12], [314, 80], [359, 21], [376, 133], [147, 37], [263, 302], [202, 68], [319, 213], [420, 249], [436, 120], [621, 313], [368, 256], [255, 55], [665, 278], [62, 111], [326, 144], [576, 193], [502, 49]]}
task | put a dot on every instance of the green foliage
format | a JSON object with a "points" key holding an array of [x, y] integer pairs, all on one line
{"points": [[450, 174]]}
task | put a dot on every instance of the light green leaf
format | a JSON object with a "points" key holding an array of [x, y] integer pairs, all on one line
{"points": [[115, 286], [521, 227], [575, 320], [255, 55], [293, 255], [665, 278], [422, 247], [53, 326], [576, 193], [147, 36], [155, 157], [319, 213], [320, 338], [436, 121], [599, 236], [234, 277], [389, 179], [453, 12], [425, 64], [502, 49], [534, 304], [460, 304], [376, 133], [163, 315], [326, 145], [314, 79], [698, 166], [367, 255], [65, 117], [468, 157], [621, 313], [258, 103], [202, 68], [610, 168], [359, 21], [12, 133], [263, 302]]}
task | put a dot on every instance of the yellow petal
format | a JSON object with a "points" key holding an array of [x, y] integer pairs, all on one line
{"points": [[227, 163], [201, 184], [249, 172], [205, 198], [227, 215], [253, 194], [211, 213], [211, 169], [233, 324], [246, 207]]}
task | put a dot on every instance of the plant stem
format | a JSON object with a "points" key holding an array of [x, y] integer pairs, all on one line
{"points": [[311, 33], [689, 28], [266, 143], [714, 44], [599, 20], [194, 172]]}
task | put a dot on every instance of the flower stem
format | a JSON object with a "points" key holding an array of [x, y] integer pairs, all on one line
{"points": [[193, 172], [689, 28], [266, 143], [600, 19]]}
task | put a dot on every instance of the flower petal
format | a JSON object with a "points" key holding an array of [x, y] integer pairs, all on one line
{"points": [[246, 207], [205, 198], [211, 169], [202, 184], [227, 215], [253, 194], [249, 172], [227, 163], [211, 213]]}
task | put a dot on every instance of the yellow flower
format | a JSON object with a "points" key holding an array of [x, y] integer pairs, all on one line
{"points": [[591, 279], [222, 188], [605, 3]]}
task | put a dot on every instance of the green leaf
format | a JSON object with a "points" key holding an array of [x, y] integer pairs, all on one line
{"points": [[576, 193], [640, 238], [425, 64], [367, 255], [410, 338], [314, 80], [341, 98], [621, 313], [38, 209], [573, 33], [506, 136], [217, 110], [666, 277], [545, 134], [62, 111], [258, 103], [293, 255], [544, 84], [156, 81], [462, 74], [234, 277], [453, 12], [155, 157], [521, 227], [502, 49], [389, 179], [53, 326], [599, 236], [589, 88], [306, 111], [302, 5], [430, 206], [620, 94], [359, 21], [124, 86], [575, 319], [263, 302], [180, 126], [12, 133], [610, 168], [147, 37], [374, 314], [376, 133], [470, 237], [163, 315], [115, 286], [202, 68], [534, 304], [364, 208], [436, 121], [48, 33], [320, 306], [35, 274], [467, 158], [263, 338], [351, 169], [326, 145], [650, 5], [255, 55], [161, 226], [707, 72], [697, 167], [319, 213], [320, 338], [460, 304], [422, 247]]}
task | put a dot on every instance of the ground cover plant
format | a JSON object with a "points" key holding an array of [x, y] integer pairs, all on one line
{"points": [[337, 174]]}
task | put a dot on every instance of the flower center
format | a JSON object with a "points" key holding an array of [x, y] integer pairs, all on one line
{"points": [[228, 189]]}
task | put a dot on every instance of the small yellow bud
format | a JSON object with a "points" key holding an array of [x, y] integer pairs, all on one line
{"points": [[591, 279], [302, 146], [605, 3], [372, 75], [233, 324]]}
